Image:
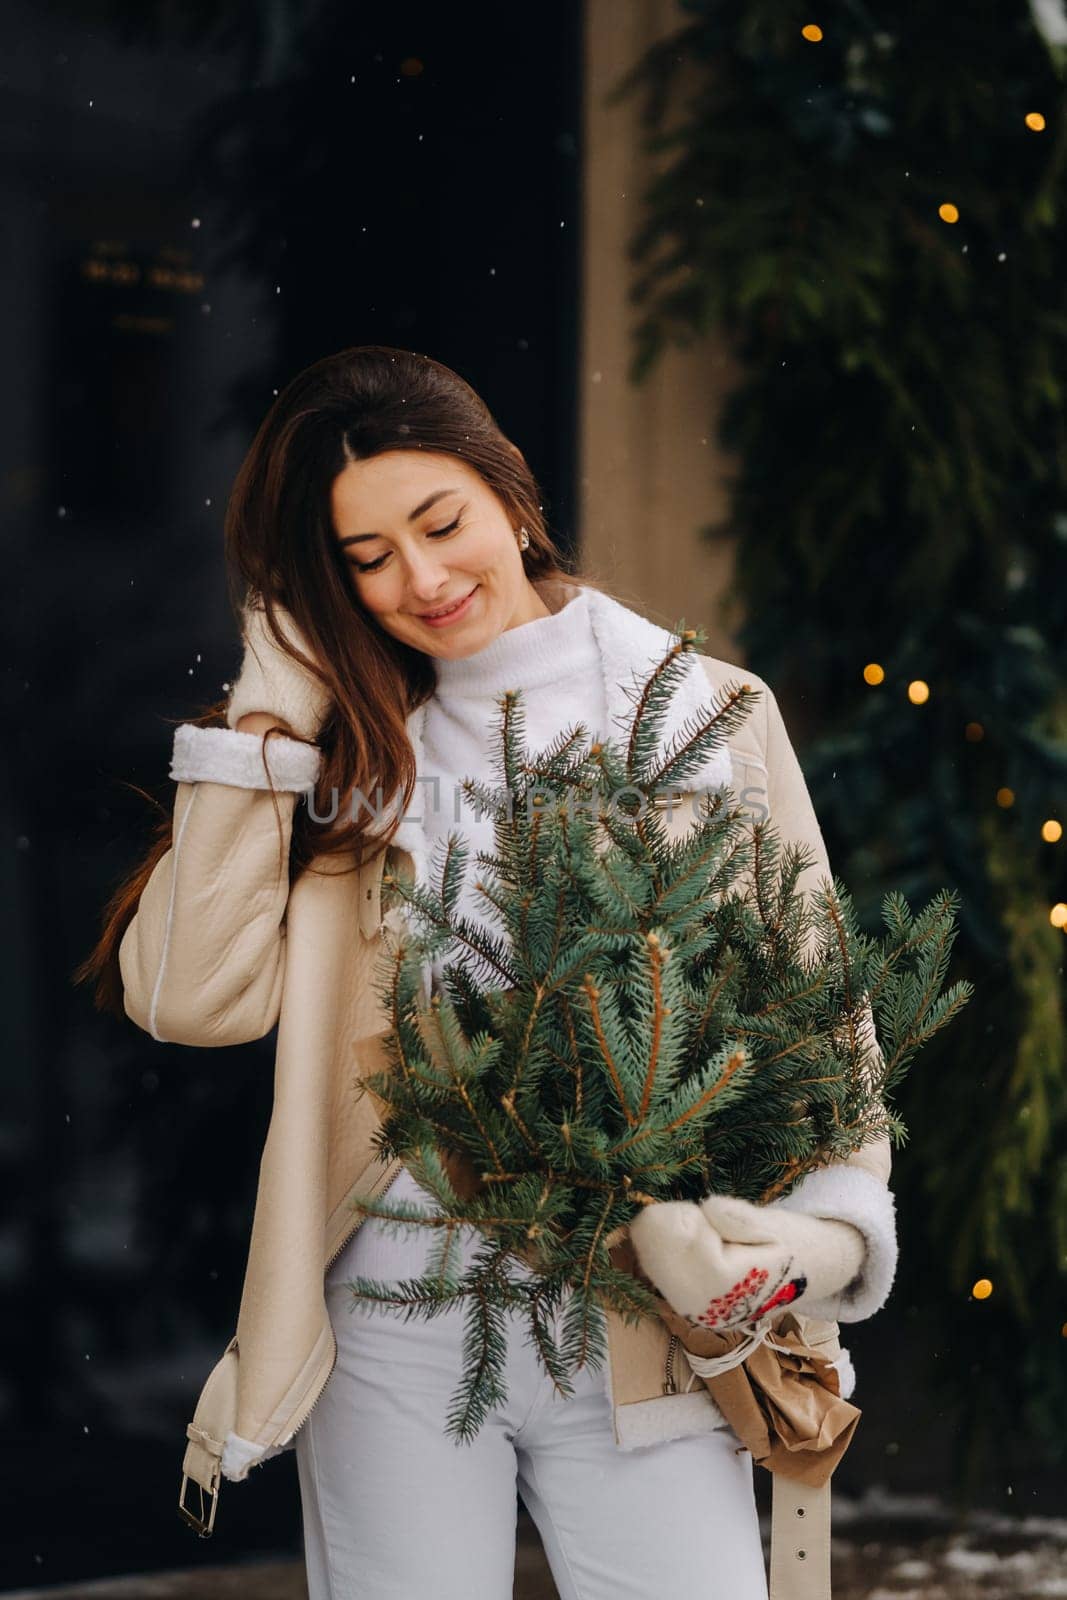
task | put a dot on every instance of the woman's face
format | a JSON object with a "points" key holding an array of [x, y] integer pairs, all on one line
{"points": [[421, 530]]}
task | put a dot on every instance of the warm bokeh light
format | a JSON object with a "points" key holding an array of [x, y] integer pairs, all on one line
{"points": [[918, 692], [948, 212], [411, 67], [1052, 831], [1005, 798], [873, 673], [974, 732], [982, 1289], [1035, 121], [1058, 915], [812, 32]]}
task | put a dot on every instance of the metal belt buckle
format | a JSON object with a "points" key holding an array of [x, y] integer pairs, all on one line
{"points": [[203, 1528]]}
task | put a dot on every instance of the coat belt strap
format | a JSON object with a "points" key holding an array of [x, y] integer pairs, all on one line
{"points": [[202, 1464], [800, 1540], [201, 1467]]}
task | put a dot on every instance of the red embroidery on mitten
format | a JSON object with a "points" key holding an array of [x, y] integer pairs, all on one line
{"points": [[740, 1303], [735, 1299], [783, 1296]]}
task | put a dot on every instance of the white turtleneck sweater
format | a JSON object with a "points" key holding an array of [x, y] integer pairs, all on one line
{"points": [[555, 661]]}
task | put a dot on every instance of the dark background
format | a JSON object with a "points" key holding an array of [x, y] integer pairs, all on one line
{"points": [[198, 200], [432, 204]]}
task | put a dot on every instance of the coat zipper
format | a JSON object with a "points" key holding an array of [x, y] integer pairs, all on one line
{"points": [[357, 1222], [669, 1384], [294, 1427]]}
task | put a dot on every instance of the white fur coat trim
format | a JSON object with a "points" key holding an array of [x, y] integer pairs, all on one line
{"points": [[222, 755], [239, 1454], [846, 1373], [848, 1194], [670, 1416]]}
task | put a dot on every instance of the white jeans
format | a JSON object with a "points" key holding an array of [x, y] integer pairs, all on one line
{"points": [[394, 1509]]}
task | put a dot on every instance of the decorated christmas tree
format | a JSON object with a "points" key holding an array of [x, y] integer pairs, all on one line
{"points": [[660, 1016]]}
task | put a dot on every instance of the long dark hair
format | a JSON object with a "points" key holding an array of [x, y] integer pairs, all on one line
{"points": [[281, 550]]}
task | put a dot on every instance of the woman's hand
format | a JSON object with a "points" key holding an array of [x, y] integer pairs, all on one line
{"points": [[725, 1262], [271, 685]]}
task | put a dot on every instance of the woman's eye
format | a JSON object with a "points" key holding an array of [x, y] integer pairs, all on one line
{"points": [[438, 533]]}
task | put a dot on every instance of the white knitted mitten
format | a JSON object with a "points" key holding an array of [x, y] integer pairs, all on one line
{"points": [[271, 681], [724, 1262]]}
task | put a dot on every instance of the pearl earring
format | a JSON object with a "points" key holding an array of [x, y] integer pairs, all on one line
{"points": [[524, 539]]}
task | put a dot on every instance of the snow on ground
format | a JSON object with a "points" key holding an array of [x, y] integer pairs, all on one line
{"points": [[885, 1547], [896, 1547]]}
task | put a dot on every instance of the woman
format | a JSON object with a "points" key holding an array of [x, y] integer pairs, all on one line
{"points": [[387, 545]]}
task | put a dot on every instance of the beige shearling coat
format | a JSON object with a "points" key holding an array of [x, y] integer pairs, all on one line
{"points": [[220, 951]]}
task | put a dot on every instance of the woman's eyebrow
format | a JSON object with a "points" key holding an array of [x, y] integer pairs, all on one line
{"points": [[423, 505]]}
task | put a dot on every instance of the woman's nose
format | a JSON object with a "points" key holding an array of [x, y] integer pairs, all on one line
{"points": [[427, 575]]}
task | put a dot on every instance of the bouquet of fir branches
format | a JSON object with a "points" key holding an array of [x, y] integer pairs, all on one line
{"points": [[654, 1013]]}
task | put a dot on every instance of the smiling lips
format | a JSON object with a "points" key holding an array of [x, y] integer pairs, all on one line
{"points": [[446, 611]]}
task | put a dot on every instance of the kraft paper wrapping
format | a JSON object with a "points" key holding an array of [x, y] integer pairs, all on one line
{"points": [[785, 1406]]}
